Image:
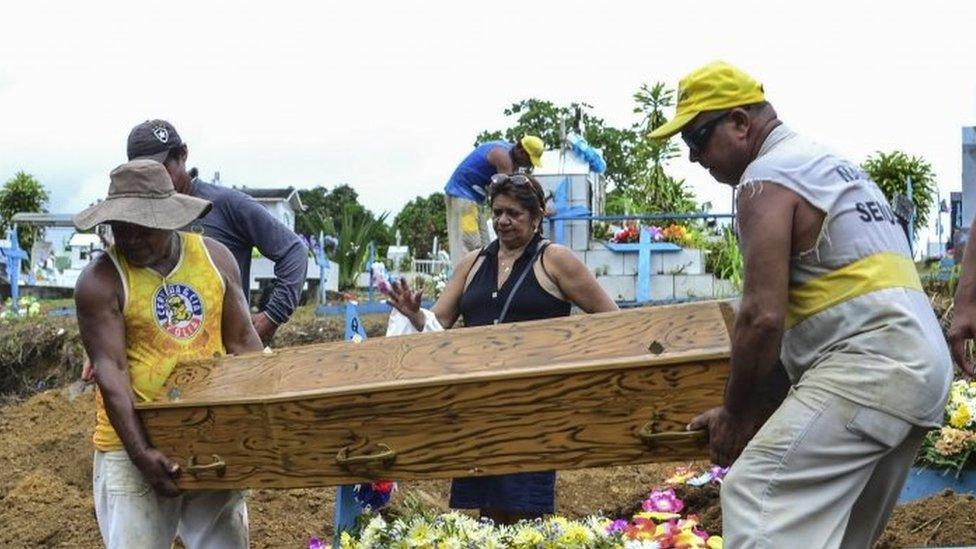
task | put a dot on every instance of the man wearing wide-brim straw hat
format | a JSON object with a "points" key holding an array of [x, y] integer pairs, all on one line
{"points": [[156, 298], [831, 290]]}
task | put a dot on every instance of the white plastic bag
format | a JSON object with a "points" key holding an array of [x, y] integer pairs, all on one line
{"points": [[399, 325]]}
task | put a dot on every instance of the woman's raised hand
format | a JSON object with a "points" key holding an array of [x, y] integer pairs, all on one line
{"points": [[403, 299]]}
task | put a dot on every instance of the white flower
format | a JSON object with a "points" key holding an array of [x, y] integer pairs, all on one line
{"points": [[641, 544]]}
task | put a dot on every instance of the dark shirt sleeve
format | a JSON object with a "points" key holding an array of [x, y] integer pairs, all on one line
{"points": [[282, 246]]}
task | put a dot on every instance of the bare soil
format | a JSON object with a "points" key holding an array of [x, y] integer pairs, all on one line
{"points": [[46, 455]]}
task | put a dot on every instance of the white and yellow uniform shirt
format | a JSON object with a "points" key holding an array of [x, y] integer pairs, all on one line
{"points": [[167, 319], [859, 324]]}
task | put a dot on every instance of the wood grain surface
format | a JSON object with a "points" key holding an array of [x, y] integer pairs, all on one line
{"points": [[556, 394], [635, 337]]}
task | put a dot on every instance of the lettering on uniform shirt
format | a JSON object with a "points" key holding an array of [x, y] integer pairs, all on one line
{"points": [[872, 211], [849, 172]]}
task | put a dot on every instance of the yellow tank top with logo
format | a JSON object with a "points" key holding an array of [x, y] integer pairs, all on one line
{"points": [[167, 320]]}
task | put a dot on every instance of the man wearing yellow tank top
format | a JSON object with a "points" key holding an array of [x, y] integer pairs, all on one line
{"points": [[156, 298]]}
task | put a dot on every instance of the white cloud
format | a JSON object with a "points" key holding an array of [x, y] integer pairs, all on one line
{"points": [[388, 96]]}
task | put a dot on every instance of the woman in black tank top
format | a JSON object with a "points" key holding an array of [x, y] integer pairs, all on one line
{"points": [[518, 277]]}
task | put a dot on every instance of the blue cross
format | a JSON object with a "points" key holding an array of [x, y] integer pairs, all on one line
{"points": [[13, 255], [347, 509]]}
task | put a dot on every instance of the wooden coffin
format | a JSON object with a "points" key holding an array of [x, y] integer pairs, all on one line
{"points": [[581, 391]]}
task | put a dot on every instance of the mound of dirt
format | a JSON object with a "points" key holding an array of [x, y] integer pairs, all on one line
{"points": [[46, 453], [38, 354], [945, 520], [42, 510]]}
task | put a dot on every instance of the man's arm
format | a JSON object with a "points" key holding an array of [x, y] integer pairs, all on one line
{"points": [[765, 220], [282, 246], [766, 229], [501, 159], [237, 330], [964, 307], [98, 301]]}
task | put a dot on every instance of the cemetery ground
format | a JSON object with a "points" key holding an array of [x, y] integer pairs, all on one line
{"points": [[47, 417]]}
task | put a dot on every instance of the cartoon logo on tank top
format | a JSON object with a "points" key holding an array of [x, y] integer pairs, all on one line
{"points": [[178, 310]]}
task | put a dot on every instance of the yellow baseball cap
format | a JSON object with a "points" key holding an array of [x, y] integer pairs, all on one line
{"points": [[535, 147], [713, 87]]}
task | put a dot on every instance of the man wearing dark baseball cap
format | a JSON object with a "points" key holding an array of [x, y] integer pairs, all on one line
{"points": [[236, 220], [157, 297]]}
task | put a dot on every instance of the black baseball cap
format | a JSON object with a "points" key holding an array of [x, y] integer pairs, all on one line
{"points": [[152, 139]]}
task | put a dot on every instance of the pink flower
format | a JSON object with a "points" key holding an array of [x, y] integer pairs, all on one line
{"points": [[663, 502], [316, 543]]}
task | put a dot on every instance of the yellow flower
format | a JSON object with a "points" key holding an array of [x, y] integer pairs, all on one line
{"points": [[960, 417], [528, 537], [346, 541], [576, 535], [420, 533], [657, 516], [715, 542]]}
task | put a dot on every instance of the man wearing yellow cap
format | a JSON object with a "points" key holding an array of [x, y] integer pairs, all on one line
{"points": [[467, 227], [831, 291]]}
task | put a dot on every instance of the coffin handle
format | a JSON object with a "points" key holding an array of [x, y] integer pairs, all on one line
{"points": [[652, 439], [216, 465], [385, 455]]}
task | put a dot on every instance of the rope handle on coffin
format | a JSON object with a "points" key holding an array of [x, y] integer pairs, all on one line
{"points": [[652, 438], [386, 456], [216, 465]]}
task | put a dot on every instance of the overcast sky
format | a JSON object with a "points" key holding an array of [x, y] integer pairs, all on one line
{"points": [[388, 97]]}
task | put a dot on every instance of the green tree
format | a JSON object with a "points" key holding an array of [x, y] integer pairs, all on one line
{"points": [[891, 171], [636, 164], [647, 186], [23, 193], [327, 211], [420, 221], [355, 232], [543, 119]]}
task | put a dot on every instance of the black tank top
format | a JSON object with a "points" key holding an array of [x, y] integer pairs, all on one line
{"points": [[481, 303]]}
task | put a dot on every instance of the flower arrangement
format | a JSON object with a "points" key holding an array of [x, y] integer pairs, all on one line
{"points": [[951, 447], [691, 477], [374, 495], [27, 306], [659, 525], [677, 234]]}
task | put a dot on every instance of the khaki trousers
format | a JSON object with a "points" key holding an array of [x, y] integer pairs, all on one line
{"points": [[823, 472], [467, 227], [131, 515]]}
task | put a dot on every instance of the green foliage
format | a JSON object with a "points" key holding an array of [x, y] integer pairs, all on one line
{"points": [[724, 258], [420, 221], [891, 172], [542, 118], [635, 163], [354, 231], [326, 211], [23, 193], [647, 187]]}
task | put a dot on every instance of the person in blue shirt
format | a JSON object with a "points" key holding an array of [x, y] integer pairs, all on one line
{"points": [[236, 221], [467, 226]]}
